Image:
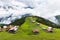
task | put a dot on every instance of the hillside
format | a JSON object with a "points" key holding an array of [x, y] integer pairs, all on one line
{"points": [[19, 21], [38, 19], [25, 32]]}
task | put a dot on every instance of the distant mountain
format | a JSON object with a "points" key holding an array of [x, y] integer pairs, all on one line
{"points": [[9, 19], [55, 19], [1, 19], [58, 19], [47, 22]]}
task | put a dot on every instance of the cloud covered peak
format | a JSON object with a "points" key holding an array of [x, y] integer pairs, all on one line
{"points": [[42, 8]]}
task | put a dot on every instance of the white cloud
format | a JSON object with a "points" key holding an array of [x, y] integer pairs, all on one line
{"points": [[43, 8]]}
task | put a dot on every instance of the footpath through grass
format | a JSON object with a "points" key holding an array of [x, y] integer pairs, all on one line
{"points": [[25, 33]]}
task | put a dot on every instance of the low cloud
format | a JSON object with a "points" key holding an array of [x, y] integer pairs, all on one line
{"points": [[43, 8]]}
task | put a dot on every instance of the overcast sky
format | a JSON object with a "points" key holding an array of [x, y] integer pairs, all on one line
{"points": [[43, 8]]}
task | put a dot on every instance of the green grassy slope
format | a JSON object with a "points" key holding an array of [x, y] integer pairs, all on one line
{"points": [[25, 33]]}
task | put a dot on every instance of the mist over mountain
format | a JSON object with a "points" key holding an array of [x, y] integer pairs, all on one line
{"points": [[14, 9]]}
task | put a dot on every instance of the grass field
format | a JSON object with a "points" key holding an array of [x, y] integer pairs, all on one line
{"points": [[25, 33]]}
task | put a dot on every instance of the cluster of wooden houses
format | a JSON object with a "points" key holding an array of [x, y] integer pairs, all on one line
{"points": [[10, 28]]}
